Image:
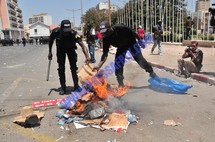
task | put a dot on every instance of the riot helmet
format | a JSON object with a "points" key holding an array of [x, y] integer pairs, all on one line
{"points": [[105, 29], [65, 26]]}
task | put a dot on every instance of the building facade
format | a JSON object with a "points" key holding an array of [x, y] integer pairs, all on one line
{"points": [[104, 6], [11, 21], [203, 16], [42, 17], [38, 30]]}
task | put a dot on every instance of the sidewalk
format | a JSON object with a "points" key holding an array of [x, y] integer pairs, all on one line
{"points": [[172, 52]]}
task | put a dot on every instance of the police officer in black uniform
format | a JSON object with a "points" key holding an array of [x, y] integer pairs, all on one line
{"points": [[66, 39], [124, 39]]}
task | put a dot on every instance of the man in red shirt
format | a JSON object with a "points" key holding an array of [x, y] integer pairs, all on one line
{"points": [[98, 41], [140, 32]]}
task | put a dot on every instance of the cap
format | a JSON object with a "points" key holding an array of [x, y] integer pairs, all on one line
{"points": [[104, 26], [65, 25], [159, 21], [140, 26]]}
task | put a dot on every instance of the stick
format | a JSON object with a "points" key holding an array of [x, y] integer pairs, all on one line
{"points": [[48, 71]]}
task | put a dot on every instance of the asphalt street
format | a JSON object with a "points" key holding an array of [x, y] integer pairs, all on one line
{"points": [[23, 81]]}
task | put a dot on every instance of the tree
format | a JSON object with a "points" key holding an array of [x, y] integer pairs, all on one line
{"points": [[94, 17]]}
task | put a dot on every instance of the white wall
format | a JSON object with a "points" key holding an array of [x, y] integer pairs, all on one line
{"points": [[47, 20], [41, 31]]}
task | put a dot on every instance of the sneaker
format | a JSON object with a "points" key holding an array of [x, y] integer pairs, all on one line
{"points": [[160, 54], [181, 75]]}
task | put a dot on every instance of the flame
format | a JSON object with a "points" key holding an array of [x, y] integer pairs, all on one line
{"points": [[79, 107], [102, 90]]}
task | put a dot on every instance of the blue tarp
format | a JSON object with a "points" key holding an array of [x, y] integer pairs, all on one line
{"points": [[168, 85]]}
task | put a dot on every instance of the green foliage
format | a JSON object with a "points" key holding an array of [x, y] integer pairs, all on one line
{"points": [[94, 17]]}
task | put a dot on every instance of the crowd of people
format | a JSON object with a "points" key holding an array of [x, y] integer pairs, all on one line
{"points": [[120, 36], [23, 41]]}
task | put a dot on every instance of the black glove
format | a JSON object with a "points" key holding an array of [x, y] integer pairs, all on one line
{"points": [[153, 74]]}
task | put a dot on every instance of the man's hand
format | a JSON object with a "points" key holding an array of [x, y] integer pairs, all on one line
{"points": [[153, 74], [50, 56], [96, 68], [87, 60]]}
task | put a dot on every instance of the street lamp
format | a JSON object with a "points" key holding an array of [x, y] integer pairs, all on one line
{"points": [[73, 13]]}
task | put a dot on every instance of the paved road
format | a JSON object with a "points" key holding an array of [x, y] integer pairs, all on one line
{"points": [[23, 81]]}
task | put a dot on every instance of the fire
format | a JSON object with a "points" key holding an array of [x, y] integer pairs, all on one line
{"points": [[98, 86]]}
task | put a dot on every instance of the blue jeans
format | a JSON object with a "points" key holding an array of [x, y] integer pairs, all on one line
{"points": [[92, 52], [157, 42]]}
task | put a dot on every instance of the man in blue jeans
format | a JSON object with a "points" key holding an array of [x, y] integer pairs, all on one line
{"points": [[90, 35], [158, 31]]}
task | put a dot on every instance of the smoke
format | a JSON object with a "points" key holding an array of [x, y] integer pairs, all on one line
{"points": [[116, 104]]}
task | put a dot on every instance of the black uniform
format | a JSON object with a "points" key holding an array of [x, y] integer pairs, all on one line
{"points": [[66, 45], [123, 38]]}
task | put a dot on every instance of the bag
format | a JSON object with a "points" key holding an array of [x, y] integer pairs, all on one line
{"points": [[168, 85]]}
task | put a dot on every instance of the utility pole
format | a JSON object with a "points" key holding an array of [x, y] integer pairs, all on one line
{"points": [[109, 14], [81, 16]]}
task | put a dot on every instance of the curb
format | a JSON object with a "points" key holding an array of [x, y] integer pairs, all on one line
{"points": [[195, 76]]}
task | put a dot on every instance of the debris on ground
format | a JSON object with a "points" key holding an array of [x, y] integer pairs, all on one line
{"points": [[45, 103], [171, 123], [95, 104], [28, 117]]}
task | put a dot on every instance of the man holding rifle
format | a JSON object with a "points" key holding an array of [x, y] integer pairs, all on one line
{"points": [[66, 39]]}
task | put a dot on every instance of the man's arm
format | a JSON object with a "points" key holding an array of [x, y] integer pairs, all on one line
{"points": [[51, 41], [84, 49], [187, 53], [104, 56]]}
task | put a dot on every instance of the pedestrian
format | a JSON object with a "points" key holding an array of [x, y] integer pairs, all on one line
{"points": [[36, 41], [17, 42], [158, 31], [66, 39], [99, 39], [124, 39], [188, 25], [24, 41], [91, 35], [140, 32], [195, 64]]}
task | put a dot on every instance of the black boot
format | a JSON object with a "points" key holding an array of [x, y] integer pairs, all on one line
{"points": [[62, 90]]}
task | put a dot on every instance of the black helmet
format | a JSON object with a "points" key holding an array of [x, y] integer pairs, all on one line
{"points": [[105, 28], [65, 25]]}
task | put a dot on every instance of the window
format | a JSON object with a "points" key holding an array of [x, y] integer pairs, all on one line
{"points": [[35, 31]]}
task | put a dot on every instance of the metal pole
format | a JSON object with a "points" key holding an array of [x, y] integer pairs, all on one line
{"points": [[173, 23], [109, 14], [81, 16]]}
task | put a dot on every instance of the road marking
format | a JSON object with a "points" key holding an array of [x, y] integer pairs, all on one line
{"points": [[27, 132], [15, 66], [9, 90]]}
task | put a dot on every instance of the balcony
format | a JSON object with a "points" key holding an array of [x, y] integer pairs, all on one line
{"points": [[14, 24], [13, 18], [20, 21], [18, 10], [19, 15], [11, 5], [12, 11], [21, 26]]}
